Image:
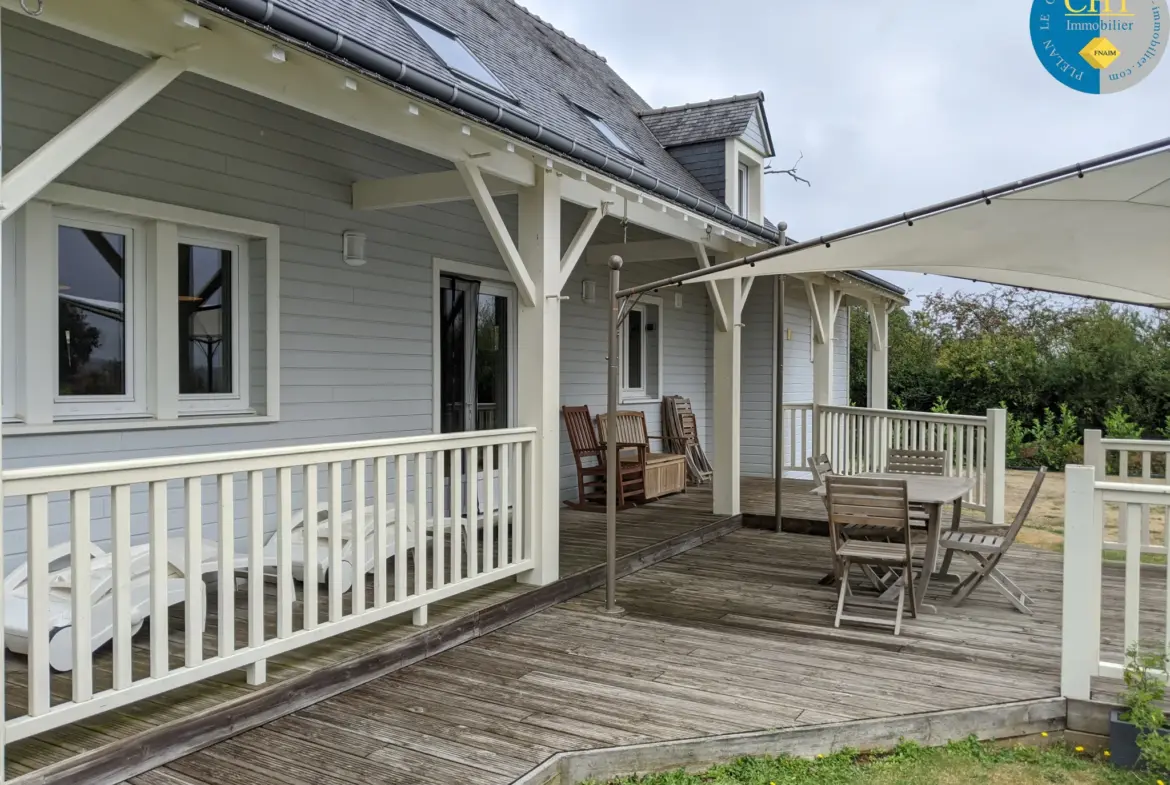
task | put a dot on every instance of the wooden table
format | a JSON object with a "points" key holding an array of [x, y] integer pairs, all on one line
{"points": [[932, 493]]}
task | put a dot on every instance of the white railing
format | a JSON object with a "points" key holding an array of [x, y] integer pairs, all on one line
{"points": [[798, 436], [1089, 503], [857, 440], [1139, 462], [455, 511]]}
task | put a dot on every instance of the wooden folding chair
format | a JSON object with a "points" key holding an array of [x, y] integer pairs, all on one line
{"points": [[929, 462], [821, 467], [876, 504], [986, 550], [589, 456]]}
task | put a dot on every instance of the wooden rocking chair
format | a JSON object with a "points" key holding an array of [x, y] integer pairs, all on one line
{"points": [[589, 456]]}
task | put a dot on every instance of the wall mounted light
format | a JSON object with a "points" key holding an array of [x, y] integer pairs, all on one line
{"points": [[354, 248], [678, 300], [588, 292]]}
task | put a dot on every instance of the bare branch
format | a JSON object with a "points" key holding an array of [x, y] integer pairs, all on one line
{"points": [[791, 172]]}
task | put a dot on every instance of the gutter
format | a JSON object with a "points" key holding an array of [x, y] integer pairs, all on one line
{"points": [[272, 18]]}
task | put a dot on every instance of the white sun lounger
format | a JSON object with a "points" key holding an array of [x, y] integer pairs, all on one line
{"points": [[101, 597], [347, 542]]}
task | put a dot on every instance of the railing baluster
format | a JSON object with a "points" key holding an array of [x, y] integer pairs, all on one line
{"points": [[310, 536], [1146, 472], [489, 508], [39, 675], [336, 533], [79, 503], [1130, 520], [472, 512], [440, 526], [402, 526], [457, 518], [160, 644], [194, 616], [285, 590], [380, 538], [257, 671], [123, 646], [358, 547], [520, 511], [505, 514], [226, 588], [420, 544]]}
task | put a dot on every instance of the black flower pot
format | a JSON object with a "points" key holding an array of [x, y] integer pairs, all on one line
{"points": [[1123, 746]]}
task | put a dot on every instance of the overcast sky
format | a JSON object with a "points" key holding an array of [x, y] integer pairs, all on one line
{"points": [[894, 105]]}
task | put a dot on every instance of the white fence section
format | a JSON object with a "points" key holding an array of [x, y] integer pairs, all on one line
{"points": [[1139, 462], [799, 421], [1089, 502], [454, 510], [857, 440]]}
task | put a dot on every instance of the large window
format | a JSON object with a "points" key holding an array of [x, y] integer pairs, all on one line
{"points": [[151, 312], [640, 346], [475, 354], [452, 51]]}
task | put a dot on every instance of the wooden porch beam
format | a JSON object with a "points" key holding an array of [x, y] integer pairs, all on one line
{"points": [[643, 251], [580, 241], [413, 190], [875, 327], [747, 288], [66, 148], [818, 322], [481, 195], [644, 212], [722, 323]]}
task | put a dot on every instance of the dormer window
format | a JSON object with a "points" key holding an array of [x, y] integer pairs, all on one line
{"points": [[609, 134], [453, 52], [743, 190]]}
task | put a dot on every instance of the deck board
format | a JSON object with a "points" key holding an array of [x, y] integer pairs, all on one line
{"points": [[735, 635]]}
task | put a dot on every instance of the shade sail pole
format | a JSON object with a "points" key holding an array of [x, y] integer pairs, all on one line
{"points": [[612, 476]]}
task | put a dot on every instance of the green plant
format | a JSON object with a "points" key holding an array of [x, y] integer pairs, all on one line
{"points": [[1118, 425], [1056, 438], [1014, 437], [940, 406], [1145, 685], [1164, 431]]}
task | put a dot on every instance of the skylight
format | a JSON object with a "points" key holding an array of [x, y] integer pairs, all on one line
{"points": [[452, 51], [609, 134]]}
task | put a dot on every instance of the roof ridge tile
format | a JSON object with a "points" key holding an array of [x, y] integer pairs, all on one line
{"points": [[756, 96]]}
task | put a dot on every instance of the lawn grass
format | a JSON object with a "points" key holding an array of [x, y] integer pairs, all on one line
{"points": [[959, 763]]}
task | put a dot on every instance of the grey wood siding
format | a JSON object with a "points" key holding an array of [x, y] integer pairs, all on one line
{"points": [[705, 160], [356, 353], [686, 337], [753, 134]]}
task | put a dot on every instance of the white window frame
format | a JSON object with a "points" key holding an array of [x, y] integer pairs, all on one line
{"points": [[238, 399], [133, 402], [642, 394], [159, 228], [493, 281], [743, 186]]}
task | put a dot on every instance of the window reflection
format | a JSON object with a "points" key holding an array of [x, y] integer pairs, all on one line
{"points": [[205, 316], [91, 312]]}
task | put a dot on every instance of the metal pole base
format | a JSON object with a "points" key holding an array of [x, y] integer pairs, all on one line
{"points": [[616, 610]]}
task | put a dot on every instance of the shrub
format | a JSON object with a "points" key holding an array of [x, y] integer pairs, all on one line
{"points": [[1118, 425], [1014, 438], [1056, 439], [1145, 683]]}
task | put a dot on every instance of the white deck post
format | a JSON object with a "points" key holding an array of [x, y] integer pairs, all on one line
{"points": [[727, 400], [539, 366], [824, 340], [996, 457], [1095, 453], [878, 388], [1080, 653], [3, 674]]}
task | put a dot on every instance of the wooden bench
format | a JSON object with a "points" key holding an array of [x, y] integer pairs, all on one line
{"points": [[662, 473]]}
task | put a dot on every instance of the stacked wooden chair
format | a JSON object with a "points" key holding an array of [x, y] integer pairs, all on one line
{"points": [[987, 550], [876, 504], [680, 430], [663, 473], [589, 457]]}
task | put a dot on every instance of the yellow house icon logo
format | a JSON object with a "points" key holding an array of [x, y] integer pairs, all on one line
{"points": [[1100, 52]]}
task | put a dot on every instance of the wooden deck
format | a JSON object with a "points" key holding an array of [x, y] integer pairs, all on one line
{"points": [[582, 546], [732, 636]]}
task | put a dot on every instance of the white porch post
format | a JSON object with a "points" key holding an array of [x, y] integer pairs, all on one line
{"points": [[3, 283], [996, 475], [727, 400], [878, 388], [539, 365], [824, 300], [1080, 648]]}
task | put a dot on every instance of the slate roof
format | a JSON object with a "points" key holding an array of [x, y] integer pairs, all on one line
{"points": [[721, 118], [544, 69]]}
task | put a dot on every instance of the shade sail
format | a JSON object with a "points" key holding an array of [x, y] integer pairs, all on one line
{"points": [[1105, 234]]}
